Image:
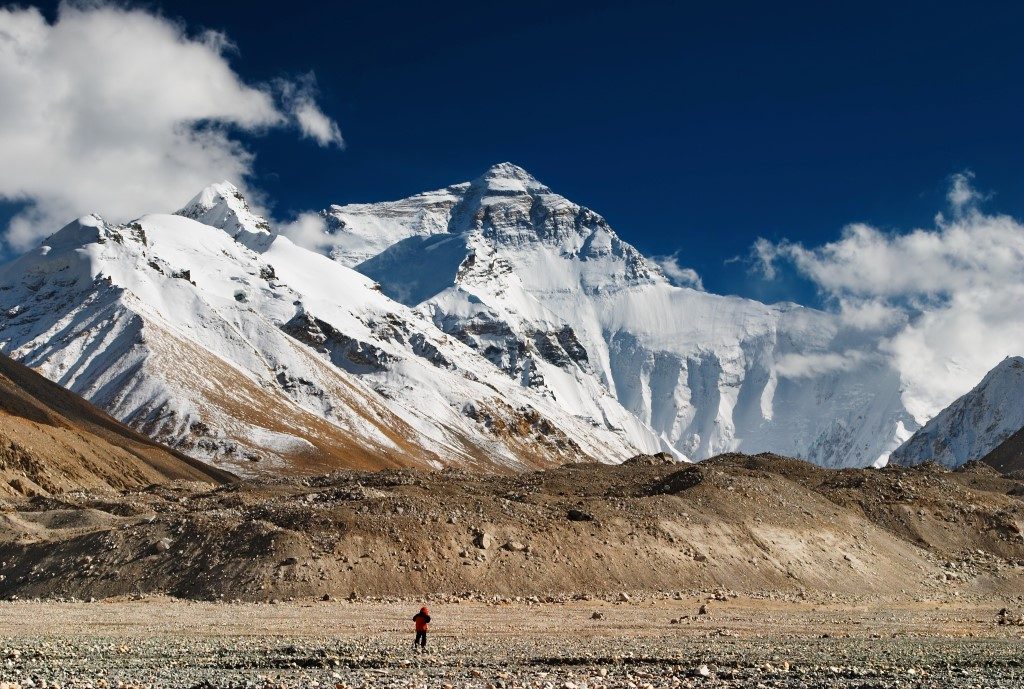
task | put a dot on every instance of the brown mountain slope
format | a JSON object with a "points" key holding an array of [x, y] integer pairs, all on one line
{"points": [[51, 440], [1008, 456], [748, 524]]}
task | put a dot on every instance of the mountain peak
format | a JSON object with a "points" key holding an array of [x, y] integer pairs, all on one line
{"points": [[508, 169], [1010, 362], [508, 177], [223, 192], [1008, 372], [78, 232], [222, 205]]}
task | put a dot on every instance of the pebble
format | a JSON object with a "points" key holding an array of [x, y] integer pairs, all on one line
{"points": [[559, 661]]}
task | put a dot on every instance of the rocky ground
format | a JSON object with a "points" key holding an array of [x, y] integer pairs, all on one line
{"points": [[650, 641]]}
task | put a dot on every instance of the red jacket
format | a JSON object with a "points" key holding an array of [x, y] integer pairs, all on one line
{"points": [[422, 620]]}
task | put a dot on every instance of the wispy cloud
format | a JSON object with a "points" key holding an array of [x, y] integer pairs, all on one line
{"points": [[300, 100], [962, 195], [677, 274], [308, 230], [817, 364]]}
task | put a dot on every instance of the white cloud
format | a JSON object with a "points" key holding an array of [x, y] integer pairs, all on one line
{"points": [[961, 194], [869, 314], [764, 254], [947, 349], [122, 112], [816, 364], [316, 125], [308, 230], [947, 302], [313, 123], [678, 275]]}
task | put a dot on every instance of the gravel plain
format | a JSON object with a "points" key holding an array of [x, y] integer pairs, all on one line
{"points": [[647, 642]]}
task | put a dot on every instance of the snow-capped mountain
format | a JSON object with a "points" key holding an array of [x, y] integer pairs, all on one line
{"points": [[974, 424], [549, 294], [240, 347], [493, 323]]}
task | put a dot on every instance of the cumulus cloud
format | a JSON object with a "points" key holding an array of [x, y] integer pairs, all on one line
{"points": [[947, 302], [677, 274], [123, 112]]}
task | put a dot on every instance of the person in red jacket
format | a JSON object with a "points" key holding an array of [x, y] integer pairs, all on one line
{"points": [[422, 620]]}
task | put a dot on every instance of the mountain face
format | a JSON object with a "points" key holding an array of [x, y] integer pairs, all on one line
{"points": [[973, 425], [241, 348], [548, 293], [491, 324], [51, 440]]}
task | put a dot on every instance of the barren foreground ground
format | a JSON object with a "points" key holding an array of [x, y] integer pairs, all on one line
{"points": [[738, 642]]}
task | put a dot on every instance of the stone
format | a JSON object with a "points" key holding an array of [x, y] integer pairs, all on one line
{"points": [[575, 515]]}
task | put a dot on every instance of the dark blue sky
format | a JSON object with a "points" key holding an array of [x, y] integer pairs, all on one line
{"points": [[692, 127]]}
